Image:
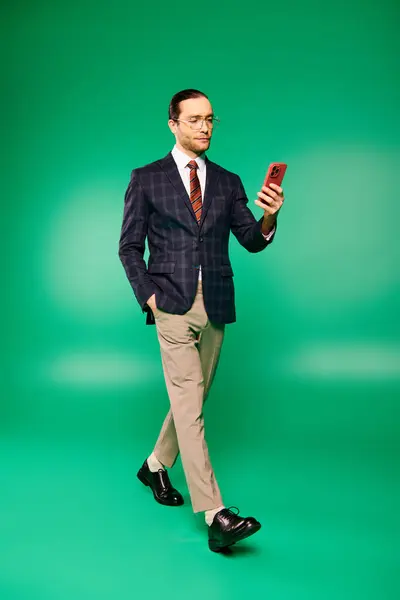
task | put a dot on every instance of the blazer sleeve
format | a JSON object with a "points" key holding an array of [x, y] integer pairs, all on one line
{"points": [[132, 241], [245, 227]]}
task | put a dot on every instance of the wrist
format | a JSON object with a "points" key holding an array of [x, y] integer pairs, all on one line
{"points": [[268, 224]]}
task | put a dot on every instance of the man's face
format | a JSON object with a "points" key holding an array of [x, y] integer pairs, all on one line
{"points": [[193, 140]]}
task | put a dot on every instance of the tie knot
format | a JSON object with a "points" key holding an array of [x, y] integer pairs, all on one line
{"points": [[192, 165]]}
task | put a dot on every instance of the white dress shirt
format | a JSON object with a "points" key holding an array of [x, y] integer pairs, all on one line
{"points": [[182, 160]]}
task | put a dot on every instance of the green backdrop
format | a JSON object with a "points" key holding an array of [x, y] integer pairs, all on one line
{"points": [[303, 418]]}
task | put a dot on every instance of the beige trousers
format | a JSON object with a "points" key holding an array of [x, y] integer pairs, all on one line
{"points": [[190, 346]]}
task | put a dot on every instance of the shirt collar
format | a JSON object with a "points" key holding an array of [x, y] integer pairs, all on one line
{"points": [[182, 159]]}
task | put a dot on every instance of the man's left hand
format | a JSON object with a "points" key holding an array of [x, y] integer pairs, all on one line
{"points": [[270, 200]]}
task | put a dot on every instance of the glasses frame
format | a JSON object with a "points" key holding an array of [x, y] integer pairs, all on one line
{"points": [[216, 122]]}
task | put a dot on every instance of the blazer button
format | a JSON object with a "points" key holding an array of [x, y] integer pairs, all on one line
{"points": [[202, 239]]}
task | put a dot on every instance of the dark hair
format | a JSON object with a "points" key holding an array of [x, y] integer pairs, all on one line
{"points": [[174, 110]]}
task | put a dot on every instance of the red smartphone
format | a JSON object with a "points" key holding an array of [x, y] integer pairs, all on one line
{"points": [[275, 173]]}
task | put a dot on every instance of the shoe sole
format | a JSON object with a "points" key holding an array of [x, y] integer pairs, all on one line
{"points": [[143, 480], [215, 545]]}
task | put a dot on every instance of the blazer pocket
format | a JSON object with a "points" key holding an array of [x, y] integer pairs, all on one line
{"points": [[165, 267], [226, 271]]}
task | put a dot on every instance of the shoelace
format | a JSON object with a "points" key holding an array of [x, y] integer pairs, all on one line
{"points": [[231, 511], [164, 479]]}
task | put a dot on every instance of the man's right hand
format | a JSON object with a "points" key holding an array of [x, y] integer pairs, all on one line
{"points": [[152, 302]]}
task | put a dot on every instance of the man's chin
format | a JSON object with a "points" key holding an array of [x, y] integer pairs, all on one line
{"points": [[202, 146]]}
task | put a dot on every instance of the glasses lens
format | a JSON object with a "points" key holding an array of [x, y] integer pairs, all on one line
{"points": [[198, 123]]}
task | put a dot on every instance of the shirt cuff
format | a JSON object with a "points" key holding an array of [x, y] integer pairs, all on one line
{"points": [[268, 236]]}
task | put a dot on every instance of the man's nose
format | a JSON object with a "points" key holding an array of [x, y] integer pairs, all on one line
{"points": [[204, 128]]}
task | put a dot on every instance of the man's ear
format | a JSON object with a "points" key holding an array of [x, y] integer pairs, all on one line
{"points": [[172, 126]]}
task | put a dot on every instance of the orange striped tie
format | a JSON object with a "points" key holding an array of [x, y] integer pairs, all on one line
{"points": [[195, 190]]}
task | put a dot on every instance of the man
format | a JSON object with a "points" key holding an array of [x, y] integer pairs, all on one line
{"points": [[186, 206]]}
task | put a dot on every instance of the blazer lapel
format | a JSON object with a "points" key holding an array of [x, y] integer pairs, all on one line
{"points": [[169, 166], [212, 176]]}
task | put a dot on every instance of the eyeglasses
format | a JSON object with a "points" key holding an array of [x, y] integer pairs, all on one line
{"points": [[197, 123]]}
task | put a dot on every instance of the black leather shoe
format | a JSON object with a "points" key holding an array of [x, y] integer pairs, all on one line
{"points": [[228, 528], [160, 485]]}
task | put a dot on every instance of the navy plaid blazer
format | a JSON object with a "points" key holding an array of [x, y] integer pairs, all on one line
{"points": [[158, 207]]}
